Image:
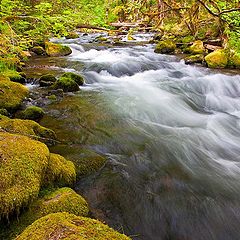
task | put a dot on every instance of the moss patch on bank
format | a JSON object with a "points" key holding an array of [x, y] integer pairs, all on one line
{"points": [[22, 165], [11, 94], [69, 226], [25, 166], [27, 128], [60, 200]]}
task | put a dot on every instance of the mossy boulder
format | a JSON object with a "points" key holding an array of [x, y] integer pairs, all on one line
{"points": [[47, 80], [72, 35], [25, 166], [15, 76], [165, 47], [38, 50], [66, 84], [60, 171], [53, 201], [77, 78], [57, 50], [69, 226], [4, 112], [23, 162], [28, 128], [31, 113], [11, 94], [234, 60], [198, 58], [217, 59], [197, 48]]}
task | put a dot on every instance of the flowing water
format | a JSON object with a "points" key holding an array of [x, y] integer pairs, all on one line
{"points": [[173, 169]]}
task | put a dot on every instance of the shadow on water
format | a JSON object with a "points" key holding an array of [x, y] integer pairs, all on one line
{"points": [[171, 136]]}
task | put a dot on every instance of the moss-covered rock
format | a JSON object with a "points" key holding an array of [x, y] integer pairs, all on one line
{"points": [[72, 35], [66, 84], [47, 80], [234, 60], [217, 59], [14, 76], [22, 165], [31, 113], [77, 78], [198, 58], [27, 128], [25, 166], [69, 226], [3, 111], [60, 200], [38, 50], [11, 94], [60, 171], [197, 48], [56, 50], [165, 47]]}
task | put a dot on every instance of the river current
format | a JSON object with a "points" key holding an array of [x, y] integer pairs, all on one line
{"points": [[173, 165]]}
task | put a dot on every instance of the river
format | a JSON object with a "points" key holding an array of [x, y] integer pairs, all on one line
{"points": [[171, 136]]}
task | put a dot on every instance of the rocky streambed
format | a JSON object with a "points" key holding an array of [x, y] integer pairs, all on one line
{"points": [[154, 142]]}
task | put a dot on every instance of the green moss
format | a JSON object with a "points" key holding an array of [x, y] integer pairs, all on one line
{"points": [[22, 164], [28, 128], [69, 226], [31, 113], [199, 58], [60, 200], [72, 35], [14, 76], [47, 80], [88, 162], [164, 47], [11, 94], [197, 48], [56, 50], [60, 171], [217, 59], [234, 60], [77, 78], [38, 50], [66, 84], [3, 111]]}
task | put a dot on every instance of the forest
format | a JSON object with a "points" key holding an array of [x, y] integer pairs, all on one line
{"points": [[119, 119]]}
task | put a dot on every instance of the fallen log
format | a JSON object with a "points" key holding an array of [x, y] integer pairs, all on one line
{"points": [[91, 27], [212, 47]]}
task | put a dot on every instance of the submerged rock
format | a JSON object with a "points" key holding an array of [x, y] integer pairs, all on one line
{"points": [[31, 113], [57, 50], [11, 94], [164, 47], [217, 59], [69, 226]]}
